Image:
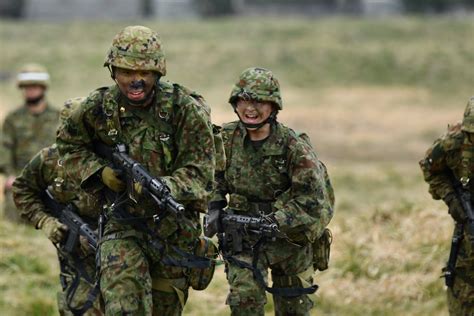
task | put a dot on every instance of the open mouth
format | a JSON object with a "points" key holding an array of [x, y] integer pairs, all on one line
{"points": [[252, 118], [136, 95]]}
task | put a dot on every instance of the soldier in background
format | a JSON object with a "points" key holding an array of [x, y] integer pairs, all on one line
{"points": [[271, 171], [167, 129], [45, 171], [448, 167], [26, 130]]}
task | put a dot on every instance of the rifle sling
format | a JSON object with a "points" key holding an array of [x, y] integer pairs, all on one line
{"points": [[257, 274], [79, 271], [187, 260]]}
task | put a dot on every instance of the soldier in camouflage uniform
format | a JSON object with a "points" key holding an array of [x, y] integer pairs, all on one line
{"points": [[45, 171], [270, 170], [453, 155], [26, 130], [166, 128]]}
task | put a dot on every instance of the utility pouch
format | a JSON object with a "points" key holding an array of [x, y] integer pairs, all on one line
{"points": [[321, 250], [199, 279]]}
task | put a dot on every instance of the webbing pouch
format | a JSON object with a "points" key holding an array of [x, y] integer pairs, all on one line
{"points": [[322, 250]]}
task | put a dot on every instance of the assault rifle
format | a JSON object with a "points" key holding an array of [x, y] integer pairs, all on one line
{"points": [[464, 197], [67, 214], [135, 173], [231, 228]]}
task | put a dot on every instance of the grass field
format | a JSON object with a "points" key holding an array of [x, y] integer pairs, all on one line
{"points": [[372, 94]]}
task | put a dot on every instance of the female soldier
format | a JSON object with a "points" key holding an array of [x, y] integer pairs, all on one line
{"points": [[273, 174]]}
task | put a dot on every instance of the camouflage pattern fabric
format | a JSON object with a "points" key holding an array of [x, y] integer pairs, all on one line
{"points": [[454, 152], [285, 172], [257, 84], [137, 47], [247, 298], [173, 139], [45, 171], [23, 135]]}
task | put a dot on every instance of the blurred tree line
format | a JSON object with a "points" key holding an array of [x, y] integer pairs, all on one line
{"points": [[436, 5], [15, 8], [225, 7]]}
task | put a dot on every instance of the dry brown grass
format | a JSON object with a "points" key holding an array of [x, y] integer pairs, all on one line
{"points": [[390, 238]]}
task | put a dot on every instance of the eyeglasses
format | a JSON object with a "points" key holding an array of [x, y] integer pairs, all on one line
{"points": [[246, 103]]}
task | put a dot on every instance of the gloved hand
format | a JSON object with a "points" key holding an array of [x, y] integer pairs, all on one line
{"points": [[137, 187], [84, 245], [53, 228], [455, 208], [270, 219], [111, 179], [212, 224]]}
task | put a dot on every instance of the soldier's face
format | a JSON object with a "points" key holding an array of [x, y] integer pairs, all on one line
{"points": [[136, 85], [33, 92], [253, 112]]}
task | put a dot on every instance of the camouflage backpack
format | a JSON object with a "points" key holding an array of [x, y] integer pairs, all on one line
{"points": [[322, 245]]}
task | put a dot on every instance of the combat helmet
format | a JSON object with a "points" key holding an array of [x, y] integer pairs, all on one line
{"points": [[257, 84], [468, 119], [137, 48], [33, 74]]}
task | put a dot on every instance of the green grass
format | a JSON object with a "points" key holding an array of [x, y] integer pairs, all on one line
{"points": [[372, 94], [433, 53]]}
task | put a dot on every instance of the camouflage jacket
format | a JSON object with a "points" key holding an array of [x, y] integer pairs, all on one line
{"points": [[284, 173], [24, 134], [172, 138], [449, 154], [452, 152], [46, 171]]}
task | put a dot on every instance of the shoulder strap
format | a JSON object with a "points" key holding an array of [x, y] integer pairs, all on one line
{"points": [[228, 134]]}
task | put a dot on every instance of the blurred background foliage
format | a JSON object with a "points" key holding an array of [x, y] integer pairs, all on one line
{"points": [[372, 94]]}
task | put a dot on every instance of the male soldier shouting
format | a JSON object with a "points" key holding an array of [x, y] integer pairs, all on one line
{"points": [[448, 168], [167, 129]]}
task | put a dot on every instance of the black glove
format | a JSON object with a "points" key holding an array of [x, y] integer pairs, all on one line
{"points": [[212, 222], [455, 208], [270, 219]]}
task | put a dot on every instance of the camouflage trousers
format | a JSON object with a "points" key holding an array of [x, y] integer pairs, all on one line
{"points": [[247, 297], [461, 297], [134, 281], [75, 290]]}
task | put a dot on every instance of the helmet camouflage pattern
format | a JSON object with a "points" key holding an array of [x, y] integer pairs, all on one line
{"points": [[468, 119], [137, 48], [257, 84], [69, 106], [32, 74]]}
